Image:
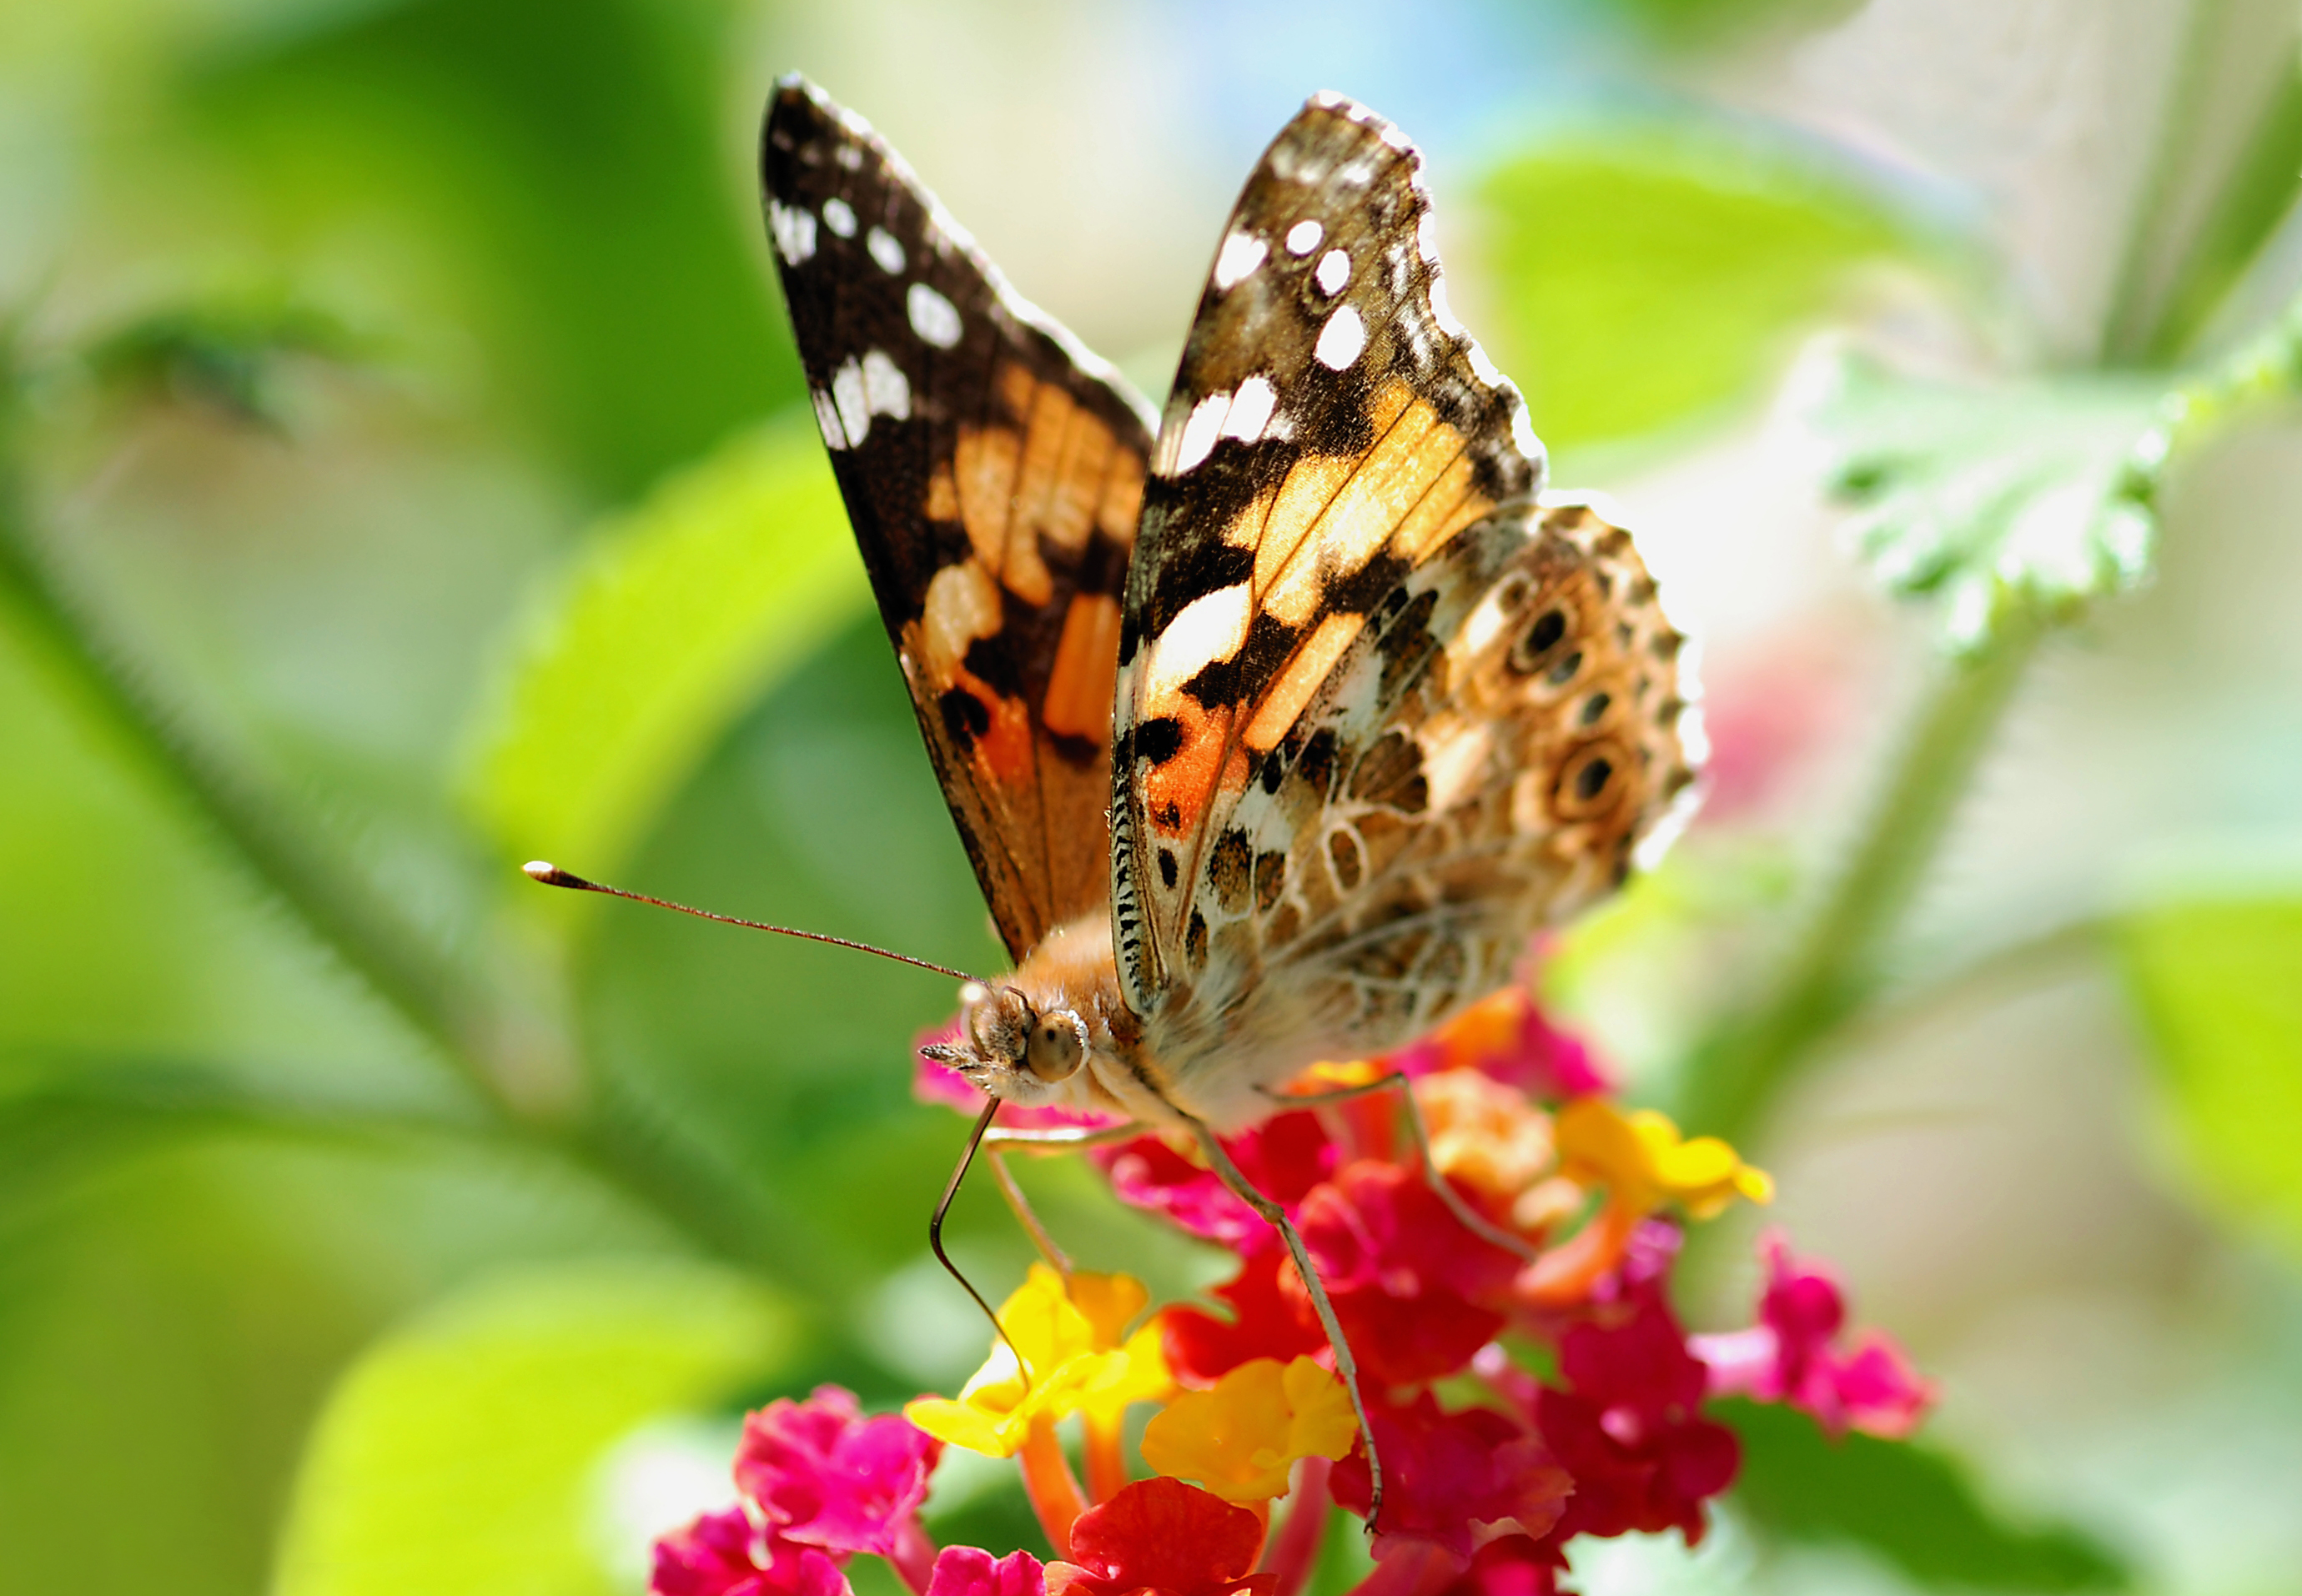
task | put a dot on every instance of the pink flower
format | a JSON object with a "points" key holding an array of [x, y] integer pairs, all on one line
{"points": [[822, 1474], [1455, 1480], [968, 1571], [1627, 1427], [1283, 1157], [1512, 1565], [1789, 1355], [1410, 1285], [725, 1554]]}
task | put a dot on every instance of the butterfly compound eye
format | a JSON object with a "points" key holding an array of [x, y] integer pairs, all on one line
{"points": [[1057, 1047]]}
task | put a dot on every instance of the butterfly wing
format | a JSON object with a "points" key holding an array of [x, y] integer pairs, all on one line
{"points": [[993, 469], [1380, 711]]}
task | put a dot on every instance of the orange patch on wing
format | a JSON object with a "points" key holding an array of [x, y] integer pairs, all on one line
{"points": [[1178, 791], [1123, 499], [943, 497], [984, 464], [1446, 509], [1078, 484], [1299, 680], [1005, 751], [1086, 663], [1044, 437], [1310, 482]]}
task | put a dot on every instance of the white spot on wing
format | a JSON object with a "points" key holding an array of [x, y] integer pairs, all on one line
{"points": [[794, 232], [1341, 339], [1242, 253], [1200, 431], [886, 392], [839, 216], [883, 250], [1304, 237], [1208, 629], [1426, 237], [827, 420], [847, 392], [934, 318], [1250, 409], [1334, 271]]}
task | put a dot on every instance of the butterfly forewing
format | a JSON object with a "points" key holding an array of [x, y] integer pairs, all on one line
{"points": [[993, 472], [1332, 427], [1382, 712]]}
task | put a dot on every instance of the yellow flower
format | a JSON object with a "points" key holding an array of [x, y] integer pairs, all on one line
{"points": [[1240, 1439], [1643, 1162], [1072, 1360]]}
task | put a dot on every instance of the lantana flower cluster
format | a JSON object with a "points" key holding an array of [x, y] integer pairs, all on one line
{"points": [[1518, 1396]]}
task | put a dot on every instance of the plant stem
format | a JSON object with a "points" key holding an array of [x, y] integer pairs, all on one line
{"points": [[394, 961], [724, 1215], [1740, 1071]]}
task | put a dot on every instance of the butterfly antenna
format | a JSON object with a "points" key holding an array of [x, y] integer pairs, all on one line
{"points": [[935, 1231], [551, 875]]}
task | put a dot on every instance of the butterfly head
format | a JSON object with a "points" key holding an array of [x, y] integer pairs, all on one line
{"points": [[1015, 1048]]}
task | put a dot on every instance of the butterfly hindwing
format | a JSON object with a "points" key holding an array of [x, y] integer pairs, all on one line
{"points": [[1480, 762], [993, 470]]}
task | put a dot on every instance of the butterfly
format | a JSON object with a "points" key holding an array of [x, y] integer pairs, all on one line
{"points": [[1274, 725]]}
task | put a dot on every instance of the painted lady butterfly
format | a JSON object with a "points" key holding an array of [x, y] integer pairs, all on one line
{"points": [[1275, 725]]}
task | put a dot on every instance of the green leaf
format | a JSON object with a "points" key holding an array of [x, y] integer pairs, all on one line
{"points": [[676, 616], [2013, 502], [1907, 1505], [2218, 989], [456, 1457], [1653, 276]]}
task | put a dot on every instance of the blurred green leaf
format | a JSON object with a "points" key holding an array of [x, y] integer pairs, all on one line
{"points": [[1697, 23], [573, 199], [456, 1455], [1651, 277], [2027, 501], [1906, 1504], [675, 619], [2220, 988]]}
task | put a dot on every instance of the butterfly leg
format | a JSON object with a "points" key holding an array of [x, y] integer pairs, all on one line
{"points": [[1468, 1217], [999, 1143], [1345, 1364]]}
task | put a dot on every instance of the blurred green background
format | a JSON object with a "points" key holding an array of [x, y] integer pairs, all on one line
{"points": [[404, 477]]}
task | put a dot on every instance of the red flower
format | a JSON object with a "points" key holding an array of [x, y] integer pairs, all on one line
{"points": [[968, 1571], [725, 1554], [821, 1473], [1283, 1157], [1267, 1320], [1628, 1429], [1511, 1565], [1161, 1535], [1455, 1480], [1405, 1278], [1788, 1355]]}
